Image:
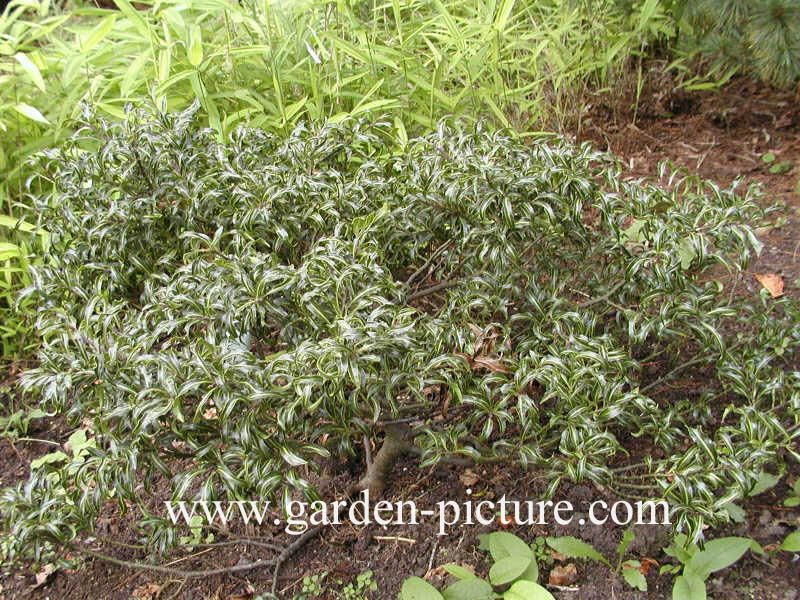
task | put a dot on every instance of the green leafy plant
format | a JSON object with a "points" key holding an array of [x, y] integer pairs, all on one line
{"points": [[195, 536], [21, 244], [513, 568], [572, 547], [17, 423], [270, 66], [793, 499], [319, 585], [697, 565], [224, 315], [78, 445], [312, 586], [517, 63], [791, 542], [360, 588], [541, 552]]}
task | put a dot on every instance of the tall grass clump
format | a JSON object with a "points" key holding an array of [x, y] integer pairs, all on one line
{"points": [[269, 64]]}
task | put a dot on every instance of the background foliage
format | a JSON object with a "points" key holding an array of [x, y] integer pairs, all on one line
{"points": [[761, 37]]}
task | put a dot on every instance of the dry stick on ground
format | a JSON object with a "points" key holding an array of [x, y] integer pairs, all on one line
{"points": [[276, 563], [602, 298], [431, 290], [288, 551], [170, 570], [440, 250]]}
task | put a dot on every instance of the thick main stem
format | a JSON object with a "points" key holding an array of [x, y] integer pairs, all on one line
{"points": [[395, 444]]}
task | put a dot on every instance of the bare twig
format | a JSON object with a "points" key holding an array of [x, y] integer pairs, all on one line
{"points": [[433, 553], [394, 538], [14, 448], [431, 290], [37, 440], [438, 252], [602, 298], [671, 374], [169, 570], [288, 551]]}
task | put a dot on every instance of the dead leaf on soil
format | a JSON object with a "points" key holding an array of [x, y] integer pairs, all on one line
{"points": [[772, 282], [469, 478], [558, 556], [148, 591], [43, 575], [565, 575], [492, 364], [435, 572], [505, 523], [483, 362], [645, 564]]}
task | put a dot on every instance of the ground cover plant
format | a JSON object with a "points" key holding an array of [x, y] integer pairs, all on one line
{"points": [[255, 306]]}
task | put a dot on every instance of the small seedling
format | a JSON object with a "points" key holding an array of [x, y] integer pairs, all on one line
{"points": [[359, 589], [514, 569], [793, 499], [629, 570], [195, 536], [782, 167], [312, 586], [696, 564]]}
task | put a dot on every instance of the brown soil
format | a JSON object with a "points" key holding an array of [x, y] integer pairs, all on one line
{"points": [[718, 135]]}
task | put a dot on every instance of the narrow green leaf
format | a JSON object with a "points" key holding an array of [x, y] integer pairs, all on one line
{"points": [[98, 34], [9, 250], [31, 69], [29, 111], [195, 47]]}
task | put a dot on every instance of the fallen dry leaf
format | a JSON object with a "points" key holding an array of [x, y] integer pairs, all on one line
{"points": [[565, 575], [44, 574], [645, 564], [505, 523], [483, 362], [772, 282], [468, 477], [492, 364], [148, 591], [475, 329], [557, 556]]}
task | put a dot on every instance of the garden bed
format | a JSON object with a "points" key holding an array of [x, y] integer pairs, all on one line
{"points": [[720, 136]]}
